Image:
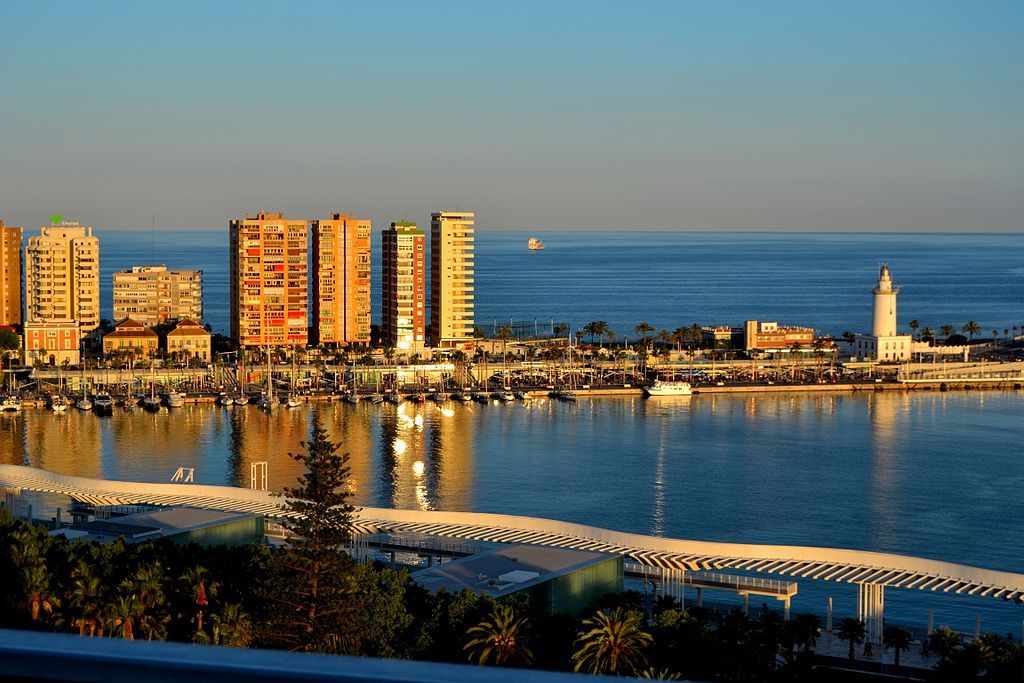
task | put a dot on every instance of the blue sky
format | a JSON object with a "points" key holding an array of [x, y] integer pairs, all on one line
{"points": [[863, 115]]}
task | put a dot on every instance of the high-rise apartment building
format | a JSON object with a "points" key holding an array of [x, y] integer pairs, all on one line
{"points": [[10, 274], [152, 294], [403, 286], [62, 276], [269, 280], [341, 280], [451, 277]]}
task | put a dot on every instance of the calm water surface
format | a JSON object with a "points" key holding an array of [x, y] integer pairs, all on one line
{"points": [[930, 474]]}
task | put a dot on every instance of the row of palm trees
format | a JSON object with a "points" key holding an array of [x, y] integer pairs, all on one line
{"points": [[970, 328]]}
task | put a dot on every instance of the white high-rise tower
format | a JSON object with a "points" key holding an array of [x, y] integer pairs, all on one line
{"points": [[884, 322]]}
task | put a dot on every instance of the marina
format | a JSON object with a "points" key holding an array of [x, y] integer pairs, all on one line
{"points": [[863, 470]]}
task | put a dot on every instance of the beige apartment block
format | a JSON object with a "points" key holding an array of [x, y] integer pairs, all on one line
{"points": [[269, 280], [403, 287], [341, 280], [191, 339], [10, 274], [62, 275], [451, 277], [152, 294], [133, 337]]}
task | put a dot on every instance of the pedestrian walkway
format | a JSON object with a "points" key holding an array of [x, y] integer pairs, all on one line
{"points": [[829, 645]]}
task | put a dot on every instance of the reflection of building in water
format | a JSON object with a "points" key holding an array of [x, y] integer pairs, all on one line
{"points": [[260, 436], [884, 414], [12, 435], [450, 466], [426, 456], [350, 427], [70, 443]]}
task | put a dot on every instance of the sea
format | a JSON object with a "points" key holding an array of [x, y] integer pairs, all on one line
{"points": [[938, 475]]}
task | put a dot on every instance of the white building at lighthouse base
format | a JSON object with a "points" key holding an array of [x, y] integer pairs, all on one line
{"points": [[894, 349]]}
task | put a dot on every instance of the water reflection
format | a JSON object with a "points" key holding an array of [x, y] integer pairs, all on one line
{"points": [[916, 473]]}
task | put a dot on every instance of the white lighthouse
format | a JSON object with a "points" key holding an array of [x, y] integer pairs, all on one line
{"points": [[884, 343], [884, 322]]}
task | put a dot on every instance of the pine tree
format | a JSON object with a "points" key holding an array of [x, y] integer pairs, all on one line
{"points": [[314, 585]]}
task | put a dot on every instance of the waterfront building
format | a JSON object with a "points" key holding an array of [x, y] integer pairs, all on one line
{"points": [[10, 274], [62, 276], [451, 278], [152, 294], [54, 342], [721, 336], [403, 287], [766, 337], [884, 343], [132, 337], [557, 580], [269, 281], [341, 280], [189, 338]]}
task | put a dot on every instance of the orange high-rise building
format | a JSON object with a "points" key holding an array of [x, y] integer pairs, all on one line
{"points": [[341, 280], [10, 274], [269, 281], [403, 286]]}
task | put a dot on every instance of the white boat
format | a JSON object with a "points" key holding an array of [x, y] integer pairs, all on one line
{"points": [[10, 404], [175, 400], [104, 404], [535, 244], [292, 401], [241, 400], [460, 397], [84, 403], [268, 401], [151, 403], [224, 400], [58, 403], [660, 388], [351, 398]]}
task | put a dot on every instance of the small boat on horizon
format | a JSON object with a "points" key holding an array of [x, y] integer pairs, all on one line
{"points": [[535, 244]]}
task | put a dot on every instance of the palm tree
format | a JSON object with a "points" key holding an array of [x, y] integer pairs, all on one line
{"points": [[613, 645], [947, 331], [913, 325], [898, 638], [808, 628], [852, 630], [200, 589], [944, 641], [644, 329], [85, 600], [927, 333], [600, 330], [232, 627], [971, 328], [501, 638]]}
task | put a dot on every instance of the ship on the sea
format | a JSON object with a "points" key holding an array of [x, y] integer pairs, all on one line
{"points": [[535, 244]]}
